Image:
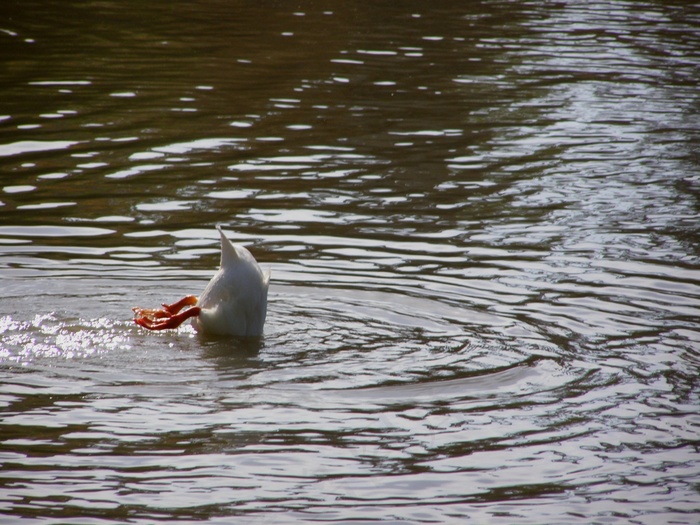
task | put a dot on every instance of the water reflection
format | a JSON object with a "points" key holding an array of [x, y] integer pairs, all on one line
{"points": [[481, 220]]}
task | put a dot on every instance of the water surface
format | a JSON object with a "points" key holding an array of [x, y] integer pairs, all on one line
{"points": [[482, 225]]}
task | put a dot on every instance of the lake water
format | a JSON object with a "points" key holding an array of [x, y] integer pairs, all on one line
{"points": [[482, 222]]}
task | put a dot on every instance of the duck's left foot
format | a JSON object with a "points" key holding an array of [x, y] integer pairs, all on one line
{"points": [[167, 317], [188, 300], [164, 322]]}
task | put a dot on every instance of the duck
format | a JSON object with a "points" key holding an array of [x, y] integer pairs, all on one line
{"points": [[234, 303]]}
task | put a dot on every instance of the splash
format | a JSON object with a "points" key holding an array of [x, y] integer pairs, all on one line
{"points": [[47, 336]]}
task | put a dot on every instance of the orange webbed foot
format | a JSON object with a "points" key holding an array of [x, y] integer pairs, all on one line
{"points": [[172, 309], [167, 317]]}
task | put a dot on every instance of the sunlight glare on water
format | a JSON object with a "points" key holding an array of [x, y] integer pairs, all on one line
{"points": [[482, 224]]}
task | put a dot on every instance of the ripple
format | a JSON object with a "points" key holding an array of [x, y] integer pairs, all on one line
{"points": [[477, 389], [53, 231], [30, 146], [46, 205], [481, 222], [23, 188]]}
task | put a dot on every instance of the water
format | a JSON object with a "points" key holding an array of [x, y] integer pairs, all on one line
{"points": [[482, 225]]}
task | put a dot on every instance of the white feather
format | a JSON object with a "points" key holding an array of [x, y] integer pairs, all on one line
{"points": [[235, 300]]}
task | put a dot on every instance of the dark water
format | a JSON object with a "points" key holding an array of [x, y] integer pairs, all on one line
{"points": [[482, 224]]}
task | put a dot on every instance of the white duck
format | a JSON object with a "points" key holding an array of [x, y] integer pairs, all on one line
{"points": [[233, 303]]}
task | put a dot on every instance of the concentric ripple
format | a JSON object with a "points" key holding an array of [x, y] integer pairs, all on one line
{"points": [[482, 224]]}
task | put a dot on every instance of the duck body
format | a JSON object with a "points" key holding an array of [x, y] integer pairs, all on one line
{"points": [[234, 302]]}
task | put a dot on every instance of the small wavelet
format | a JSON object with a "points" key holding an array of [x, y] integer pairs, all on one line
{"points": [[513, 383], [31, 146], [53, 231]]}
